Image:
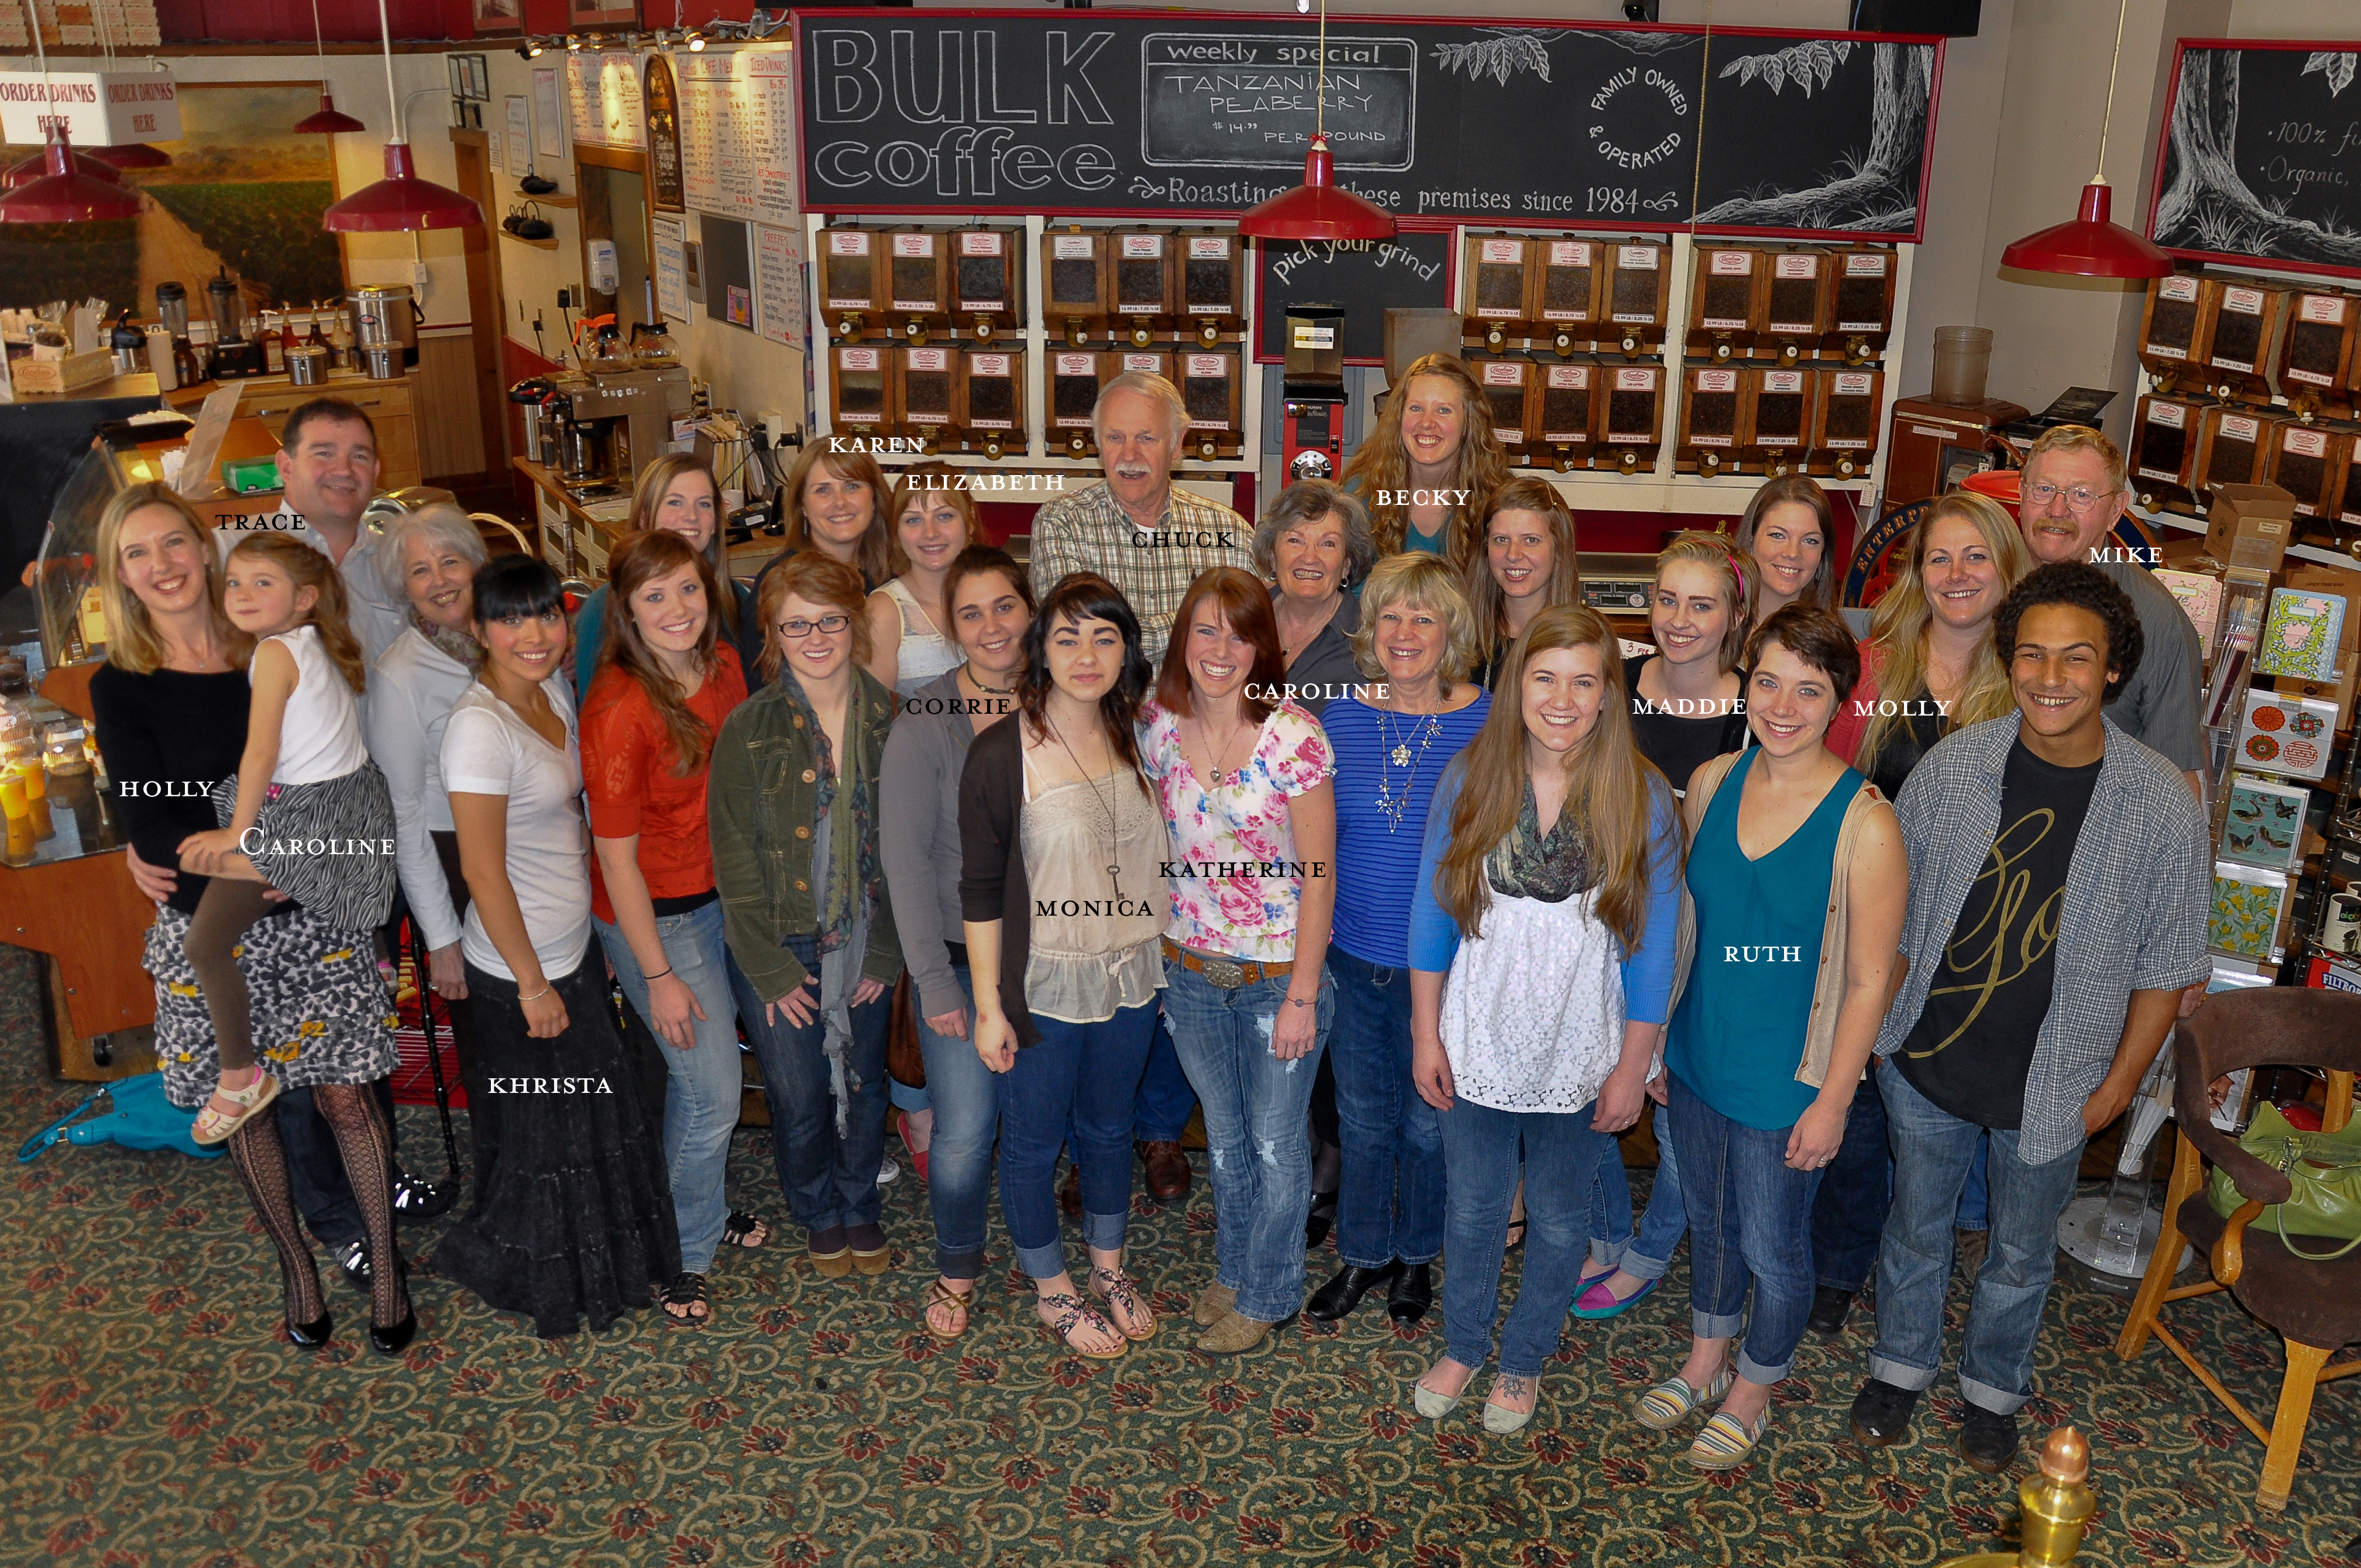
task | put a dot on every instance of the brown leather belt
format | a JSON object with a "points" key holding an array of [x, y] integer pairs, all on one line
{"points": [[1230, 974]]}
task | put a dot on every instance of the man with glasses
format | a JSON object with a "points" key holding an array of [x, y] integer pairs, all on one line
{"points": [[2072, 492]]}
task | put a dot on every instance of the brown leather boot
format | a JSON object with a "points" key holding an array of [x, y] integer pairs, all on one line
{"points": [[1168, 1169]]}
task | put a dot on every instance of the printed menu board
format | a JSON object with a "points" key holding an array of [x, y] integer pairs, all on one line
{"points": [[602, 100], [738, 133], [779, 285]]}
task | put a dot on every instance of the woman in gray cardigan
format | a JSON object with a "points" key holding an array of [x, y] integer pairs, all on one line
{"points": [[990, 605]]}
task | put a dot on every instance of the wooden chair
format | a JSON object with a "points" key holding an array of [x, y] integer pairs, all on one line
{"points": [[2316, 1308]]}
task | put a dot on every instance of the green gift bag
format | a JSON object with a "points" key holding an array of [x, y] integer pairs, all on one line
{"points": [[2326, 1168]]}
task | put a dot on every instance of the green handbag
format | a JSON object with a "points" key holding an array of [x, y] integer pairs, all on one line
{"points": [[2326, 1168]]}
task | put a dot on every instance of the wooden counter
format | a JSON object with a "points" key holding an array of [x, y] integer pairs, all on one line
{"points": [[272, 399], [578, 542]]}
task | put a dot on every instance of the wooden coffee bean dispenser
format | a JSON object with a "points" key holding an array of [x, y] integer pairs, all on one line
{"points": [[991, 401], [1632, 432], [852, 282], [2163, 457], [1501, 283], [1712, 426], [917, 279], [988, 282], [1075, 285], [1567, 304], [1798, 301], [1726, 289], [1637, 296], [1569, 414]]}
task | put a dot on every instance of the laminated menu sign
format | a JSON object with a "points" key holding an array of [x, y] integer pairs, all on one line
{"points": [[2288, 735], [738, 133], [671, 264], [779, 284], [2299, 637], [602, 99]]}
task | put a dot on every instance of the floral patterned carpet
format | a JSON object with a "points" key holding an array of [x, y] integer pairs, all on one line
{"points": [[150, 1416]]}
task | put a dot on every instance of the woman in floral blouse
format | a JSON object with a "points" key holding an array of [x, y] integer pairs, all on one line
{"points": [[1242, 777]]}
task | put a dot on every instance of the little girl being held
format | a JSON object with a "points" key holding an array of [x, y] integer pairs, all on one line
{"points": [[307, 807]]}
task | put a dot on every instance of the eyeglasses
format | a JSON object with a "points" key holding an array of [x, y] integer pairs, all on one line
{"points": [[827, 625], [2081, 498]]}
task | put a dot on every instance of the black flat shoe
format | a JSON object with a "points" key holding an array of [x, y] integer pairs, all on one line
{"points": [[311, 1335], [395, 1340], [1321, 1221], [1881, 1411], [1987, 1439], [1335, 1300], [1830, 1308], [1412, 1293]]}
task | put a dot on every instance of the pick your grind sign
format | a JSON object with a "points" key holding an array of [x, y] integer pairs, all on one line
{"points": [[1170, 114]]}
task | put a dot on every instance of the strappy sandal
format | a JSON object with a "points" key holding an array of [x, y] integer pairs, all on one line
{"points": [[1726, 1442], [941, 1295], [686, 1290], [212, 1127], [1668, 1404], [1115, 1288], [749, 1230], [1068, 1314]]}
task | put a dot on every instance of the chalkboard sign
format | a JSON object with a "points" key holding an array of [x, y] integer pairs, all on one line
{"points": [[1173, 114], [1365, 277], [2262, 161], [664, 136]]}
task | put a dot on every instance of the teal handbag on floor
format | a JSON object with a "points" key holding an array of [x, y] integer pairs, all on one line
{"points": [[141, 1118], [2325, 1172]]}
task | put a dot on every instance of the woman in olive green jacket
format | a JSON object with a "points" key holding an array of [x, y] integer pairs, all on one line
{"points": [[792, 799]]}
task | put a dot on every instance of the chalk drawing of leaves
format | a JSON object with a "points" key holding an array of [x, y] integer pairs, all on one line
{"points": [[2334, 65], [1805, 64], [1499, 57]]}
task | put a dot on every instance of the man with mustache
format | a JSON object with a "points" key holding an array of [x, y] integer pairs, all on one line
{"points": [[1150, 539], [2072, 492], [1135, 528]]}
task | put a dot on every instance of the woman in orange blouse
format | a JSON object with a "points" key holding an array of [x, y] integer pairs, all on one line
{"points": [[665, 681]]}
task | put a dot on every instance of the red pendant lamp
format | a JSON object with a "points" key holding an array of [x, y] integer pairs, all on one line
{"points": [[330, 119], [2091, 246], [64, 195], [26, 170], [401, 200], [130, 155], [1319, 208]]}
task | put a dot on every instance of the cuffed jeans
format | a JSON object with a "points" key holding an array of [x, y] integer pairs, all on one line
{"points": [[830, 1179], [1647, 1254], [1164, 1100], [704, 1085], [1390, 1189], [1849, 1216], [1750, 1223], [1256, 1130], [1932, 1150], [966, 1096], [1561, 1157], [1088, 1073]]}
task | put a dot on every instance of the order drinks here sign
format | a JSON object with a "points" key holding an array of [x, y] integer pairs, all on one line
{"points": [[102, 108]]}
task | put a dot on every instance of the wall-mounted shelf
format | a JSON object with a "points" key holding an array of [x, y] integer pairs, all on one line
{"points": [[549, 243], [552, 200]]}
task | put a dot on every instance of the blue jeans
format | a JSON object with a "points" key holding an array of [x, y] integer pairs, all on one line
{"points": [[1088, 1074], [704, 1085], [830, 1176], [1389, 1191], [966, 1096], [1561, 1154], [1162, 1105], [1750, 1223], [1931, 1151], [1975, 1198], [1849, 1216], [1257, 1122], [1649, 1254]]}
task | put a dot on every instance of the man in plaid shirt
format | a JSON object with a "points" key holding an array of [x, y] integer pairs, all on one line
{"points": [[1135, 529], [2059, 878]]}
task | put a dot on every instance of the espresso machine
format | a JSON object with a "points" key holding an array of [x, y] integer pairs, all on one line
{"points": [[613, 423]]}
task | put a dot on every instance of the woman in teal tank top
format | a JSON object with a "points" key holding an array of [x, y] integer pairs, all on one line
{"points": [[1792, 849]]}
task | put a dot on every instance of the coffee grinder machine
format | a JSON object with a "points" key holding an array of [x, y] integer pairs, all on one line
{"points": [[1312, 384]]}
